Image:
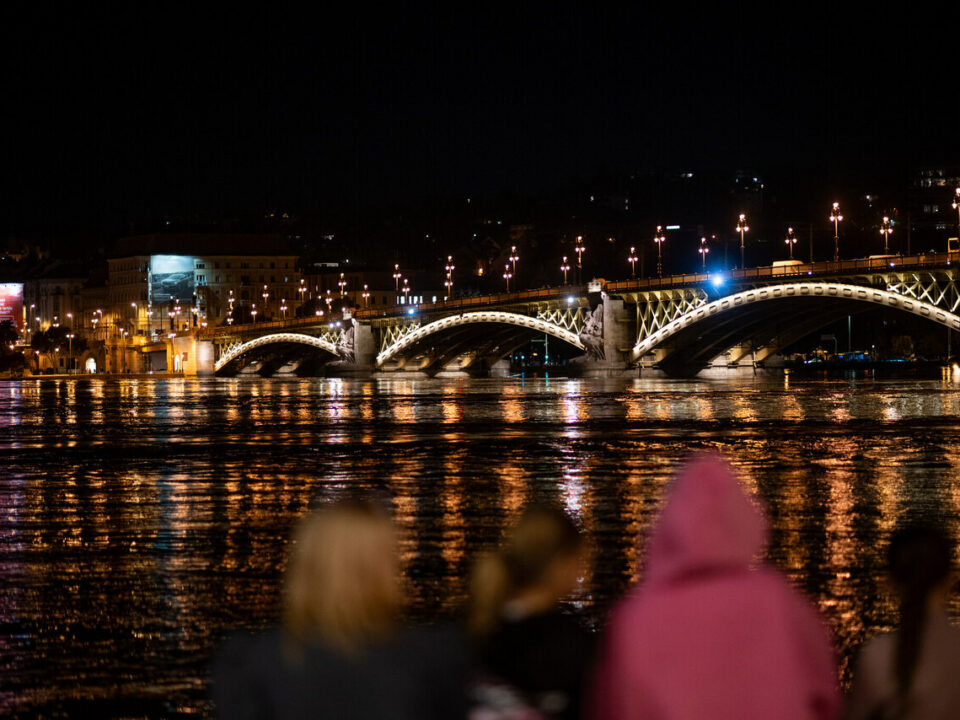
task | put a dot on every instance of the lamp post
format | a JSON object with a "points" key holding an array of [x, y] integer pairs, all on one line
{"points": [[632, 259], [70, 351], [704, 251], [283, 309], [579, 250], [406, 290], [328, 299], [955, 205], [659, 239], [265, 295], [230, 301], [449, 268], [742, 228], [253, 312], [564, 268], [343, 285], [790, 241], [886, 228], [507, 275], [396, 277], [302, 289], [365, 295], [514, 256], [836, 218]]}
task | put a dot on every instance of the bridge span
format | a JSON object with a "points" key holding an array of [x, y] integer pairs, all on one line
{"points": [[679, 325]]}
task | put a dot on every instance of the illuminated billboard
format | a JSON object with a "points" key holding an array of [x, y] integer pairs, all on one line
{"points": [[171, 278], [11, 304]]}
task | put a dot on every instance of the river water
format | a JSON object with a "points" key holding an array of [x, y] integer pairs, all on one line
{"points": [[140, 519]]}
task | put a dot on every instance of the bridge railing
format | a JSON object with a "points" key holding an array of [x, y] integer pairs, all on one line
{"points": [[294, 322], [478, 301], [768, 272]]}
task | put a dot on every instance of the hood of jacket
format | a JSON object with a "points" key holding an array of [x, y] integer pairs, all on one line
{"points": [[708, 523]]}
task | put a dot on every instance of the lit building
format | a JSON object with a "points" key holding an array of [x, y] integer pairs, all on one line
{"points": [[171, 284], [188, 281]]}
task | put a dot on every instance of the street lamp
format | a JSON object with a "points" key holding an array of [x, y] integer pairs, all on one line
{"points": [[659, 239], [579, 250], [283, 308], [956, 206], [514, 256], [396, 277], [742, 228], [835, 218], [343, 285], [564, 268], [448, 283], [365, 295], [632, 259], [886, 228], [507, 275], [704, 251], [790, 241], [302, 289], [253, 312], [406, 290], [328, 299], [70, 349]]}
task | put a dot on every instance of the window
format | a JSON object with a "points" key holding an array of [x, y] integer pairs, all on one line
{"points": [[273, 265], [273, 278], [226, 265], [216, 266], [201, 266], [216, 278], [201, 279], [244, 266], [261, 278]]}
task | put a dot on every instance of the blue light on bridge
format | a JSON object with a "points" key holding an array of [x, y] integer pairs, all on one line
{"points": [[570, 300], [717, 280], [410, 311]]}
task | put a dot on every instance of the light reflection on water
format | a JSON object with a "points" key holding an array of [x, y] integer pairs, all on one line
{"points": [[139, 519]]}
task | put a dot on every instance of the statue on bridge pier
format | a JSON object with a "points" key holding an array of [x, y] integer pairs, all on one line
{"points": [[592, 334]]}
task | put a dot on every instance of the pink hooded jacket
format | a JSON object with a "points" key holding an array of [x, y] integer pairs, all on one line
{"points": [[706, 635]]}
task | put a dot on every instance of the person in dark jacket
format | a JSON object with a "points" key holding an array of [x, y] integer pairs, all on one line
{"points": [[523, 638], [342, 651]]}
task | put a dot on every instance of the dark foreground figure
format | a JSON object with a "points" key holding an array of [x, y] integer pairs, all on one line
{"points": [[914, 672], [341, 652], [525, 644], [710, 632]]}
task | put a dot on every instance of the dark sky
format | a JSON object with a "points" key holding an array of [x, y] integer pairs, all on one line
{"points": [[118, 118]]}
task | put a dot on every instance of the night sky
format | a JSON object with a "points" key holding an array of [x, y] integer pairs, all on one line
{"points": [[114, 119]]}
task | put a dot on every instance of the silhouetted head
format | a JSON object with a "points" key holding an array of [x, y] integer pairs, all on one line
{"points": [[541, 553], [343, 581], [919, 559], [919, 562]]}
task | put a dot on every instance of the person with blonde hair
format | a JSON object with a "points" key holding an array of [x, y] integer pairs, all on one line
{"points": [[525, 643], [342, 650]]}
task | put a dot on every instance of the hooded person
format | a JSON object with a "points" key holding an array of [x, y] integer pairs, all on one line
{"points": [[709, 633]]}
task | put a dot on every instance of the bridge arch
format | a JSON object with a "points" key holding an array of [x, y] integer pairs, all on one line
{"points": [[524, 325], [275, 338], [733, 318]]}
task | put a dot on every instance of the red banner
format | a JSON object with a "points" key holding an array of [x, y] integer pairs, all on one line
{"points": [[11, 303]]}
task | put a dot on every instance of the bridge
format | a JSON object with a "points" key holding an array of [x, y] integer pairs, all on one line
{"points": [[679, 324]]}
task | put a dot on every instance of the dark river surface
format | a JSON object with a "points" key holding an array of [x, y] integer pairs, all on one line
{"points": [[141, 519]]}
